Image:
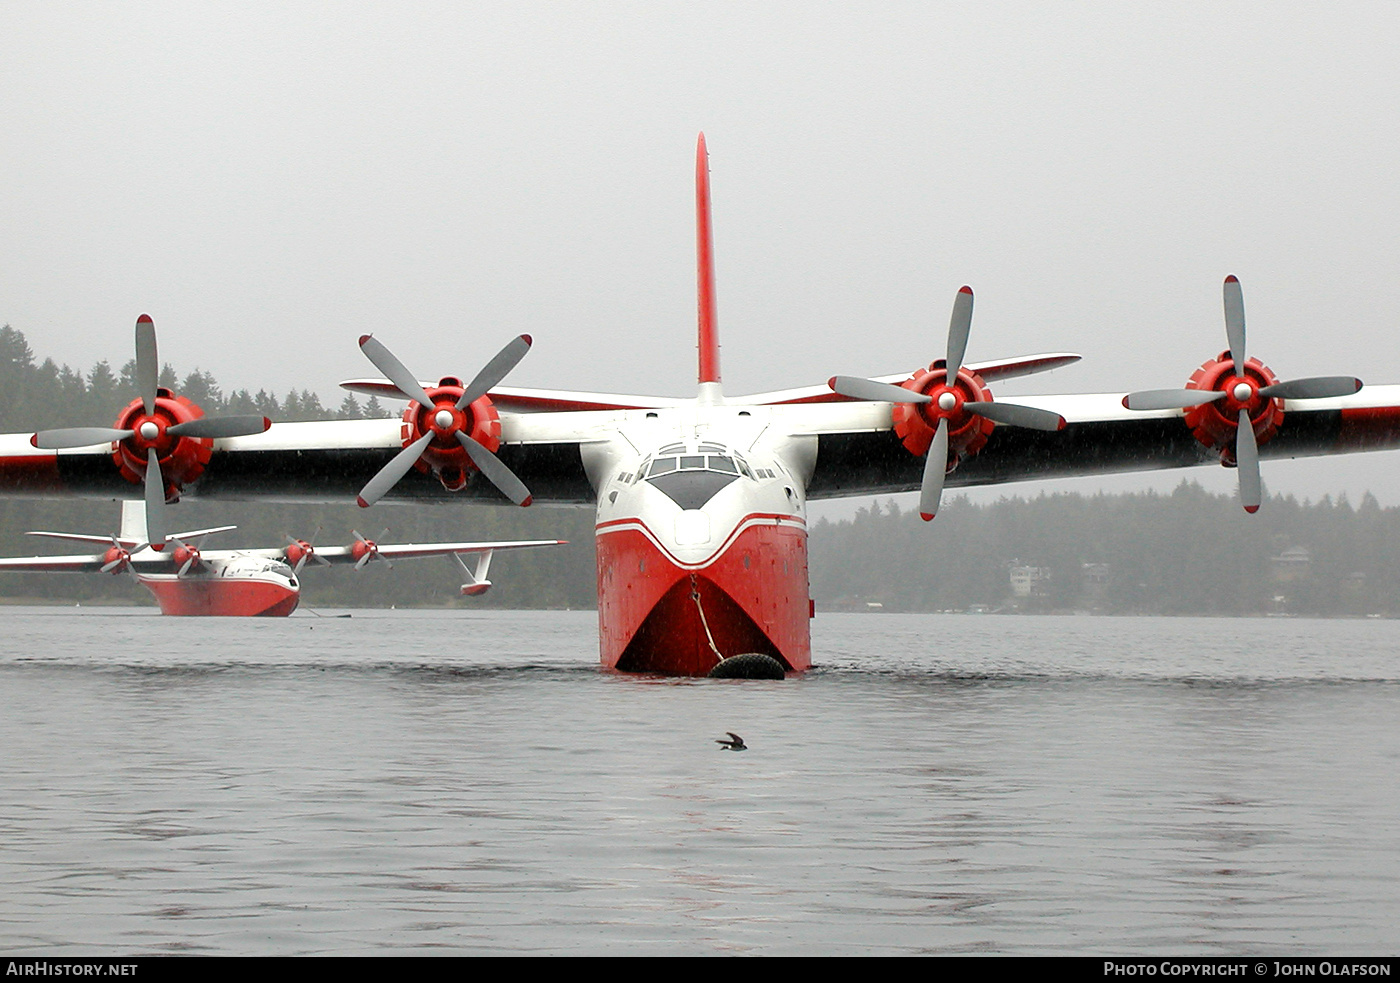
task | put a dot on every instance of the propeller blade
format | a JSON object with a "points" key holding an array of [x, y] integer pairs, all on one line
{"points": [[147, 362], [1247, 461], [185, 567], [1318, 387], [373, 553], [394, 370], [53, 440], [390, 474], [1015, 415], [122, 557], [221, 426], [959, 327], [359, 538], [877, 392], [496, 370], [309, 556], [497, 473], [935, 468], [1170, 399], [155, 501], [1234, 321]]}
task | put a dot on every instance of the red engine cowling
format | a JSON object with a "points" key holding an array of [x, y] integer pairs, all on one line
{"points": [[444, 456], [298, 551], [182, 459], [363, 550], [1214, 423], [186, 559], [915, 423], [116, 559]]}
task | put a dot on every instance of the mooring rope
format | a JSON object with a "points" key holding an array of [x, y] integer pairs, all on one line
{"points": [[695, 595]]}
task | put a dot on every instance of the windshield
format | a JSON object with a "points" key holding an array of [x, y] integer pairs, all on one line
{"points": [[693, 462]]}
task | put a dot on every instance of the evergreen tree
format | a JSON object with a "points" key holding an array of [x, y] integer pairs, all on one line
{"points": [[350, 408]]}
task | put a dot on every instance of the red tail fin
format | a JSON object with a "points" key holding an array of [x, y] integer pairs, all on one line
{"points": [[705, 267]]}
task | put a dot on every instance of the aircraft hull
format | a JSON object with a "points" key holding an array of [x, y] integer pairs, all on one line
{"points": [[753, 593], [240, 598]]}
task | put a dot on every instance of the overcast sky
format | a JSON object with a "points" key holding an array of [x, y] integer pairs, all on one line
{"points": [[271, 180]]}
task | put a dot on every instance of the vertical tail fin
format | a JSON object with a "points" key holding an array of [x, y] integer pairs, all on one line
{"points": [[134, 521], [705, 268]]}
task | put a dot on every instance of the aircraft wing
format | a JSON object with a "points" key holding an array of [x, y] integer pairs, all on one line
{"points": [[326, 462], [81, 563], [55, 564], [403, 551], [364, 551], [859, 453], [409, 551], [856, 449]]}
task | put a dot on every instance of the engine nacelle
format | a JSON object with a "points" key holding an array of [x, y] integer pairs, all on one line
{"points": [[297, 551], [915, 423], [115, 560], [186, 559], [444, 456], [1214, 424], [362, 551], [182, 459]]}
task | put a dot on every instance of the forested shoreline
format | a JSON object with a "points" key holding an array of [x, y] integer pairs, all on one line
{"points": [[1186, 552]]}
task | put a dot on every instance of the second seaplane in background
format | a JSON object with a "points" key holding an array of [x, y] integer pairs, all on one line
{"points": [[189, 580]]}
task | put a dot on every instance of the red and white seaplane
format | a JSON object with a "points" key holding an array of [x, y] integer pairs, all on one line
{"points": [[701, 501], [190, 580]]}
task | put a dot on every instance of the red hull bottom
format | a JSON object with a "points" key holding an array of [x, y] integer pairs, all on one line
{"points": [[754, 598], [223, 598]]}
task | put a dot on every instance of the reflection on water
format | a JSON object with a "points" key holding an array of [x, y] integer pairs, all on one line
{"points": [[444, 782]]}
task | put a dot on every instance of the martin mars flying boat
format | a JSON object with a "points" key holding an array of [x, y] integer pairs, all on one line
{"points": [[701, 502], [190, 580]]}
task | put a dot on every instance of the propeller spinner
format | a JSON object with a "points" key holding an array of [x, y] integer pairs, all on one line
{"points": [[298, 551], [446, 425], [162, 440], [1246, 395], [364, 549], [947, 398]]}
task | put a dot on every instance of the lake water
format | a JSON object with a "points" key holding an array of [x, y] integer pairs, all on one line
{"points": [[472, 783]]}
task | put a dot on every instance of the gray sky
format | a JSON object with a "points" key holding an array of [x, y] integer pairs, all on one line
{"points": [[271, 180]]}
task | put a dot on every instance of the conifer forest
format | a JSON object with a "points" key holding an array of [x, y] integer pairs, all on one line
{"points": [[1187, 552]]}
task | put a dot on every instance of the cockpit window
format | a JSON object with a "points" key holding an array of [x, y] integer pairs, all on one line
{"points": [[696, 462]]}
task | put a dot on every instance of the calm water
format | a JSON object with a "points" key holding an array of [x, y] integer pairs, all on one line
{"points": [[409, 782]]}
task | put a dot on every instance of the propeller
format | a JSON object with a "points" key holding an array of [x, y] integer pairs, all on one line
{"points": [[187, 556], [119, 557], [1244, 397], [156, 425], [446, 420], [367, 549], [300, 550], [948, 404]]}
